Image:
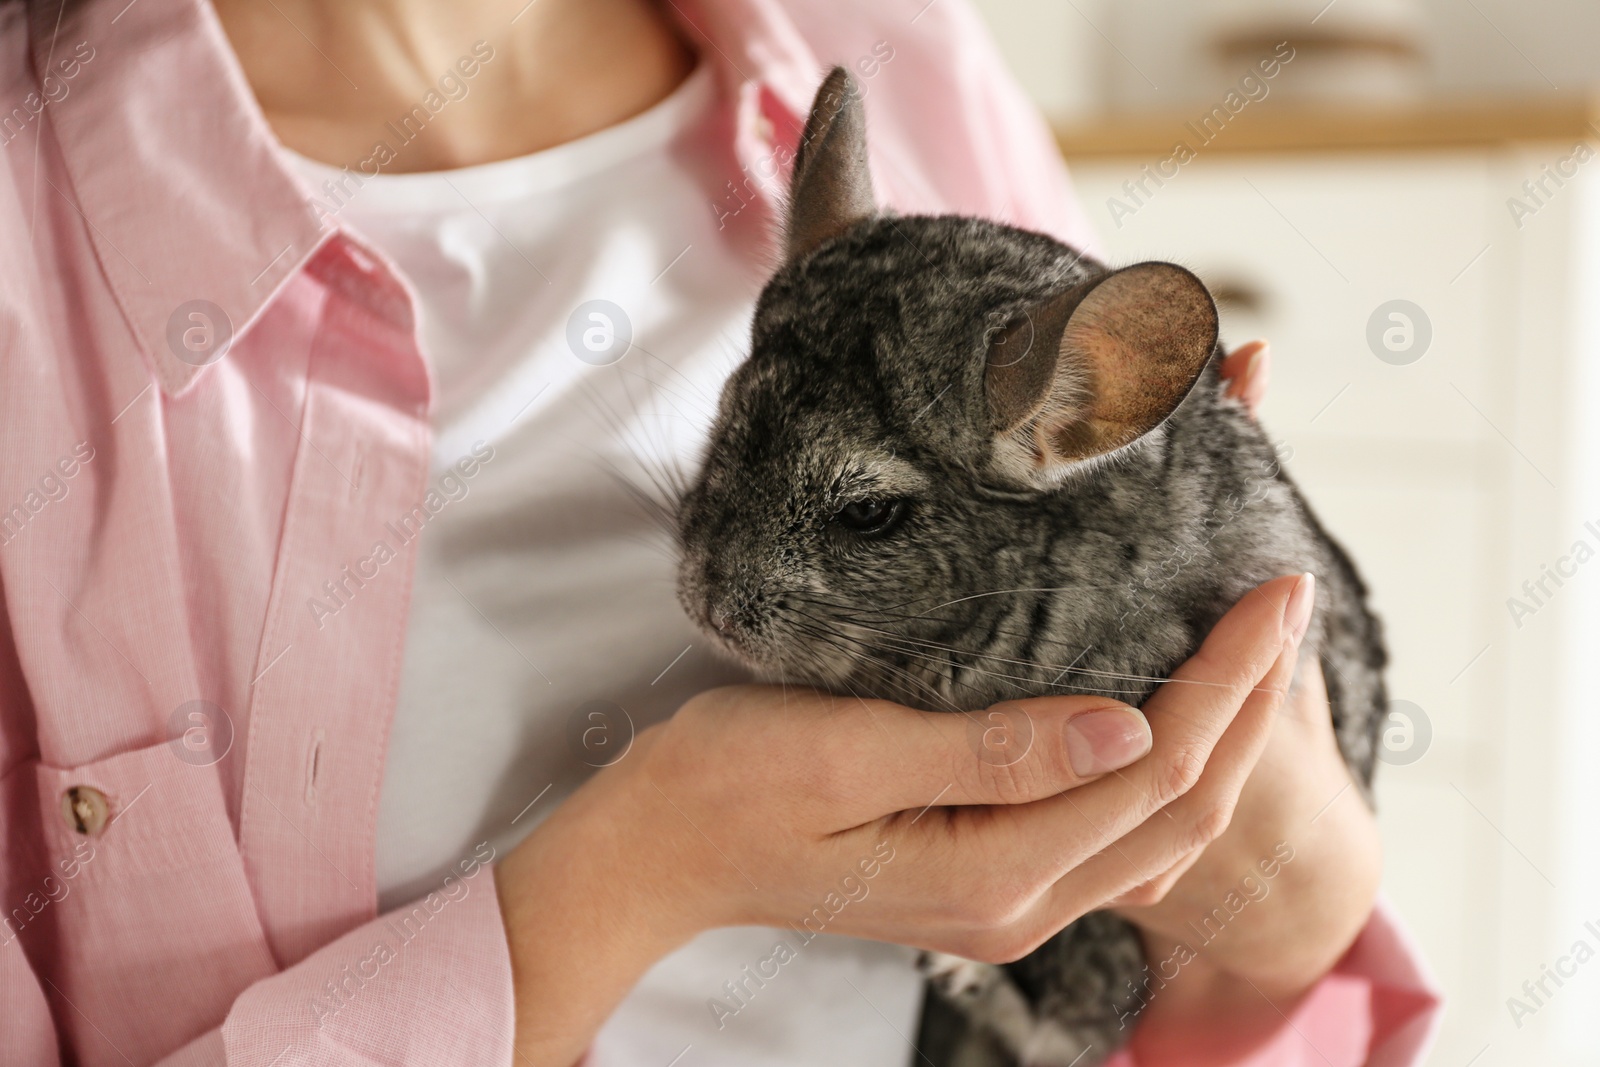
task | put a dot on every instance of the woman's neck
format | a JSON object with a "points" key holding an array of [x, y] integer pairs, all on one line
{"points": [[336, 79]]}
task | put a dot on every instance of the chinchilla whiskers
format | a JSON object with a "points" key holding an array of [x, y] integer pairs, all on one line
{"points": [[657, 505], [944, 664], [862, 651], [1074, 588], [1032, 664], [863, 697], [937, 646], [704, 410], [941, 671], [1021, 680], [945, 667], [843, 613], [659, 498], [1112, 675], [806, 663], [661, 465], [709, 401], [889, 615]]}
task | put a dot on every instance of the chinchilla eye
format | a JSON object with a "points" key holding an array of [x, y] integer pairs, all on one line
{"points": [[872, 518]]}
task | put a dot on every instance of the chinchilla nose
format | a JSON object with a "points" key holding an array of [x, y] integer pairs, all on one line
{"points": [[722, 611], [733, 615]]}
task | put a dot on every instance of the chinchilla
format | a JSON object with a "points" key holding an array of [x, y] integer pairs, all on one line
{"points": [[965, 463]]}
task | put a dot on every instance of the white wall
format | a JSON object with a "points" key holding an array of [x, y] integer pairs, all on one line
{"points": [[1077, 56]]}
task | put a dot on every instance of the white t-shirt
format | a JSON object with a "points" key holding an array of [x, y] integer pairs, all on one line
{"points": [[544, 619]]}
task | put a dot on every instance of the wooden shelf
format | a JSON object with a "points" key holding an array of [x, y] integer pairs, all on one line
{"points": [[1272, 125]]}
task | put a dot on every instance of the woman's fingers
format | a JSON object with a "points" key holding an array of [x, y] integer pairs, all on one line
{"points": [[1152, 891], [1247, 370], [1189, 714], [1011, 753], [1141, 865], [1151, 858]]}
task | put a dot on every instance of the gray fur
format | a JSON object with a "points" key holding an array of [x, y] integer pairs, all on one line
{"points": [[866, 380]]}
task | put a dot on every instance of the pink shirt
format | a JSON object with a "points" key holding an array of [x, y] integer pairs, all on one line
{"points": [[213, 404]]}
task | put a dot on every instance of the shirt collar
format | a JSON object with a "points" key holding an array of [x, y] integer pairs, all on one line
{"points": [[770, 73], [754, 42], [171, 164]]}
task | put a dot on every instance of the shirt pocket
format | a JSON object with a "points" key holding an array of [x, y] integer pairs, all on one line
{"points": [[152, 929]]}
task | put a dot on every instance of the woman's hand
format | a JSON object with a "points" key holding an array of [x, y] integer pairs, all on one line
{"points": [[1246, 370], [757, 805]]}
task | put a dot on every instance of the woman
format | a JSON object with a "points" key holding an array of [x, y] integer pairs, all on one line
{"points": [[325, 329]]}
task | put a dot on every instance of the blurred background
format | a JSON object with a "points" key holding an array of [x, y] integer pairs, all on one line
{"points": [[1401, 196]]}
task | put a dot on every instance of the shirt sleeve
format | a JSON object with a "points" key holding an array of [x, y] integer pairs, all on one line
{"points": [[121, 946], [429, 983], [1378, 1007], [1400, 996]]}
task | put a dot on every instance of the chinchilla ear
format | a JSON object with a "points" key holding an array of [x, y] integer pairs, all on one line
{"points": [[1095, 368], [831, 188]]}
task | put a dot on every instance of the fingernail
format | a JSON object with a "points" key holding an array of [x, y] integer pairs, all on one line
{"points": [[1101, 741], [1297, 613], [1253, 364]]}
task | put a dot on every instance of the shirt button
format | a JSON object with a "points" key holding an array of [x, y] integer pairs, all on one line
{"points": [[85, 809]]}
